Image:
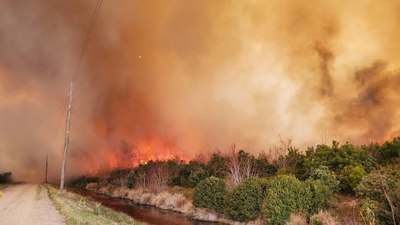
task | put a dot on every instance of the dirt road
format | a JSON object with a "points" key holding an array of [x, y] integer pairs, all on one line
{"points": [[28, 204]]}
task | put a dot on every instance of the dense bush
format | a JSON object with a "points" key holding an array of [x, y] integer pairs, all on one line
{"points": [[349, 163], [319, 195], [286, 195], [196, 176], [293, 163], [209, 193], [216, 166], [244, 202], [337, 157], [350, 177], [390, 151], [182, 172], [263, 168], [379, 193], [327, 177]]}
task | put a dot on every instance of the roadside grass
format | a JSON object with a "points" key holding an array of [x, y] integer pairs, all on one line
{"points": [[79, 210]]}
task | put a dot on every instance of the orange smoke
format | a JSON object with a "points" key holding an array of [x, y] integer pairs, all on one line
{"points": [[167, 78]]}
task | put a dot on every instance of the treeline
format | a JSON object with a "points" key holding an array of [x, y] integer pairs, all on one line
{"points": [[282, 182]]}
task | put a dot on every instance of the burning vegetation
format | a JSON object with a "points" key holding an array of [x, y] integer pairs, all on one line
{"points": [[318, 184]]}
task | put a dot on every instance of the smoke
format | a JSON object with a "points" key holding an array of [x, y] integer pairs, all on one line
{"points": [[171, 78]]}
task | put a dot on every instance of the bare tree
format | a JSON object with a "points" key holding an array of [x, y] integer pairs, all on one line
{"points": [[240, 165], [384, 188], [233, 165], [158, 174], [278, 152], [142, 177]]}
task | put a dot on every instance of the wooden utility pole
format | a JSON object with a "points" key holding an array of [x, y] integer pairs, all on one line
{"points": [[45, 179], [66, 141]]}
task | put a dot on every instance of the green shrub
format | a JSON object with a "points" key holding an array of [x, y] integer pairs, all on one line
{"points": [[196, 176], [263, 168], [243, 203], [285, 195], [319, 196], [390, 151], [379, 194], [209, 193], [337, 157], [182, 172], [350, 177], [327, 177], [216, 166], [293, 163]]}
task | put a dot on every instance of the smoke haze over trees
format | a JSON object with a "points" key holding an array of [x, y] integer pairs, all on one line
{"points": [[164, 79]]}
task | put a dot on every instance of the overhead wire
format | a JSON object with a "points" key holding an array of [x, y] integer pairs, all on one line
{"points": [[87, 38], [79, 62]]}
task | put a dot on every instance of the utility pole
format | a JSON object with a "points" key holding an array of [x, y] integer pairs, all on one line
{"points": [[66, 141], [45, 179]]}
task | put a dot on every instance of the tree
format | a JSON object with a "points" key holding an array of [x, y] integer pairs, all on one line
{"points": [[327, 177], [131, 179], [216, 166], [390, 151], [158, 175], [240, 165], [349, 163], [196, 176], [293, 163], [262, 167], [350, 177], [142, 176]]}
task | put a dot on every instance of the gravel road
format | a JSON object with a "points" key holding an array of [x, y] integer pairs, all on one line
{"points": [[28, 204]]}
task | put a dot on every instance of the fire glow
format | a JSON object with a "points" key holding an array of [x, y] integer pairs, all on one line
{"points": [[166, 79]]}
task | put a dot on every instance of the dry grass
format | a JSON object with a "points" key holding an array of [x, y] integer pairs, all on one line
{"points": [[346, 210], [324, 218], [297, 219], [82, 210]]}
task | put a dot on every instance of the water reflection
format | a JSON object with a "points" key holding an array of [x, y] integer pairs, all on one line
{"points": [[148, 214]]}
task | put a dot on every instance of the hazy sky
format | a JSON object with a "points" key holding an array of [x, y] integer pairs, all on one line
{"points": [[174, 77]]}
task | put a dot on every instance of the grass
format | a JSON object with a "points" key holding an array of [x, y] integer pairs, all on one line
{"points": [[80, 210]]}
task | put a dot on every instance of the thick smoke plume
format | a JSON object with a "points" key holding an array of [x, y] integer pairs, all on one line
{"points": [[177, 78]]}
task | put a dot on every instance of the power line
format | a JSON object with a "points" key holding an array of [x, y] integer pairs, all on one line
{"points": [[75, 73], [87, 38]]}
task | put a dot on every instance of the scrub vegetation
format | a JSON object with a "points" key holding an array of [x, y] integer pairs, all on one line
{"points": [[324, 184]]}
